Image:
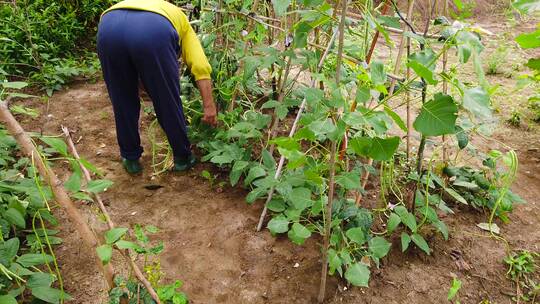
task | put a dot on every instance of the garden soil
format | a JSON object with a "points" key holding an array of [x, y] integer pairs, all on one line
{"points": [[209, 232]]}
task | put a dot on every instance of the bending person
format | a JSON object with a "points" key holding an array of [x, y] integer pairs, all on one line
{"points": [[142, 39]]}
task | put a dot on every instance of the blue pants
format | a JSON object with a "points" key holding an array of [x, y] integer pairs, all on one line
{"points": [[135, 45]]}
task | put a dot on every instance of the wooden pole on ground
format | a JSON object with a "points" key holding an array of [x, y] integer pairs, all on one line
{"points": [[125, 253], [62, 198]]}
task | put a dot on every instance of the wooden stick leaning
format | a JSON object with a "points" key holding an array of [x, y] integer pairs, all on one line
{"points": [[62, 198], [293, 130], [110, 224], [402, 44]]}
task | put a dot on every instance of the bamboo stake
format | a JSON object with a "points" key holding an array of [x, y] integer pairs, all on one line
{"points": [[402, 44], [445, 84], [293, 130], [110, 224], [408, 101], [333, 150], [62, 198]]}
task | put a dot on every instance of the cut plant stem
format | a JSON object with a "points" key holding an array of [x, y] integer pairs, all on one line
{"points": [[110, 224], [62, 198], [293, 130], [333, 150]]}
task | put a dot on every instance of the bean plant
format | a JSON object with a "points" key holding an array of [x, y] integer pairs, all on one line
{"points": [[263, 56]]}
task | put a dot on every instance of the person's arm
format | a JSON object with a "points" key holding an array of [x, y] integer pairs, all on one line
{"points": [[193, 55], [209, 107]]}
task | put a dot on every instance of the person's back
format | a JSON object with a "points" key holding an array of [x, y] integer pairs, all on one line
{"points": [[142, 39]]}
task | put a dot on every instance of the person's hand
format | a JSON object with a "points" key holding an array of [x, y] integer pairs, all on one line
{"points": [[209, 106], [210, 114]]}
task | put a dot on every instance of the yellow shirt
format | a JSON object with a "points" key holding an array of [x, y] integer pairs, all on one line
{"points": [[192, 51]]}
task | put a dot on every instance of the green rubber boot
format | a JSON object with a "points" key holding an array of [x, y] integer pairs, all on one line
{"points": [[183, 164], [132, 166]]}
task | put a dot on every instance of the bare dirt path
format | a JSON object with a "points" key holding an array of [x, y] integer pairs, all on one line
{"points": [[210, 242]]}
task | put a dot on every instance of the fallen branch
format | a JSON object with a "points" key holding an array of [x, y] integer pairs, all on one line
{"points": [[110, 224], [62, 198]]}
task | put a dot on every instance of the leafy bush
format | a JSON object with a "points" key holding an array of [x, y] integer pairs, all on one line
{"points": [[35, 34]]}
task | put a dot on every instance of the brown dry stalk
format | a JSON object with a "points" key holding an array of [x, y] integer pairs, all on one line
{"points": [[125, 253], [62, 198]]}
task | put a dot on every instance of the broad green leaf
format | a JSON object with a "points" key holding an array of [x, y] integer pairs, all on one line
{"points": [[395, 117], [360, 145], [420, 242], [57, 144], [423, 72], [356, 235], [405, 241], [104, 253], [409, 220], [276, 205], [89, 166], [378, 75], [454, 288], [50, 295], [8, 250], [251, 64], [14, 84], [333, 261], [379, 247], [383, 148], [7, 299], [358, 275], [268, 160], [122, 244], [533, 63], [280, 6], [298, 233], [40, 279], [393, 221], [14, 217], [437, 117], [462, 138], [286, 143], [529, 40], [98, 185], [363, 95], [254, 173], [301, 198], [459, 4], [527, 6], [278, 224], [73, 184], [476, 100], [349, 180], [443, 229], [301, 34], [455, 195], [427, 58], [34, 259], [237, 170], [114, 235], [322, 127]]}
